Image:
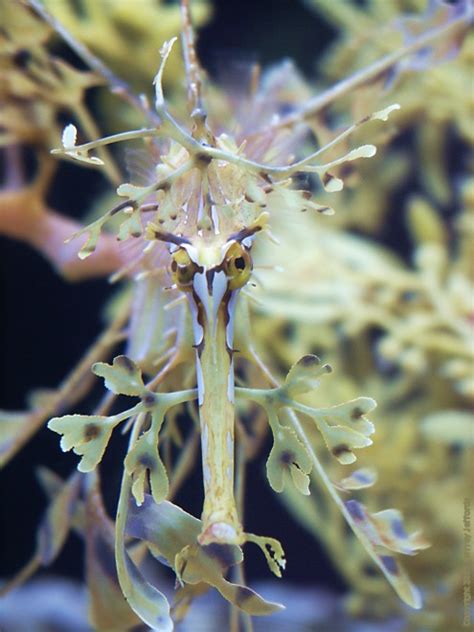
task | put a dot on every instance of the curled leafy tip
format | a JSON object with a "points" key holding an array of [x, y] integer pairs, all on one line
{"points": [[273, 551], [131, 190], [359, 479], [122, 377], [304, 375], [332, 183], [382, 115], [158, 80], [345, 428], [71, 150], [364, 151]]}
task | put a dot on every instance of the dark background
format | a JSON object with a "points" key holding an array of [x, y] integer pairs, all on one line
{"points": [[46, 325]]}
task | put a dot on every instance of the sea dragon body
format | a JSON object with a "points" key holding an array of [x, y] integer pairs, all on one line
{"points": [[211, 271]]}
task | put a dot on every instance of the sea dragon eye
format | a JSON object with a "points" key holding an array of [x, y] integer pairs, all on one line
{"points": [[237, 266], [183, 269]]}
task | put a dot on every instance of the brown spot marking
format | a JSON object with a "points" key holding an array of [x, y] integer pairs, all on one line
{"points": [[327, 177], [307, 195], [357, 413], [122, 205], [149, 399], [249, 198], [91, 431], [266, 177], [147, 462], [125, 363], [243, 594], [287, 457], [203, 159], [224, 554], [323, 209], [21, 58], [148, 418], [341, 449], [309, 360]]}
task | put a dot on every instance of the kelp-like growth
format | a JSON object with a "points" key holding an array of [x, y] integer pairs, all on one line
{"points": [[198, 353]]}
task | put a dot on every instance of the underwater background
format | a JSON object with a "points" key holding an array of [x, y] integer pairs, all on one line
{"points": [[383, 291]]}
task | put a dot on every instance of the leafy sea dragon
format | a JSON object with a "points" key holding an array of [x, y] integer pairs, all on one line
{"points": [[219, 190], [211, 268]]}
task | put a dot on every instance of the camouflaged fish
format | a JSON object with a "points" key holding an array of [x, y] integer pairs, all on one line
{"points": [[187, 238]]}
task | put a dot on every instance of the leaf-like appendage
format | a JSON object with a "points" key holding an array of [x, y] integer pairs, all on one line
{"points": [[87, 435], [382, 115], [93, 233], [147, 601], [108, 608], [273, 551], [288, 454], [142, 459], [345, 427], [295, 200], [171, 533], [70, 149], [164, 52], [384, 532], [131, 191], [304, 375], [122, 377], [359, 479], [389, 525], [352, 413], [341, 441], [131, 226]]}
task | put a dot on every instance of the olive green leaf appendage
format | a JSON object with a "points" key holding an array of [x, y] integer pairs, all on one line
{"points": [[88, 435], [344, 429]]}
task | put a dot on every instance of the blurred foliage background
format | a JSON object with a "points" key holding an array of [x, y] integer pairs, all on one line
{"points": [[383, 290]]}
